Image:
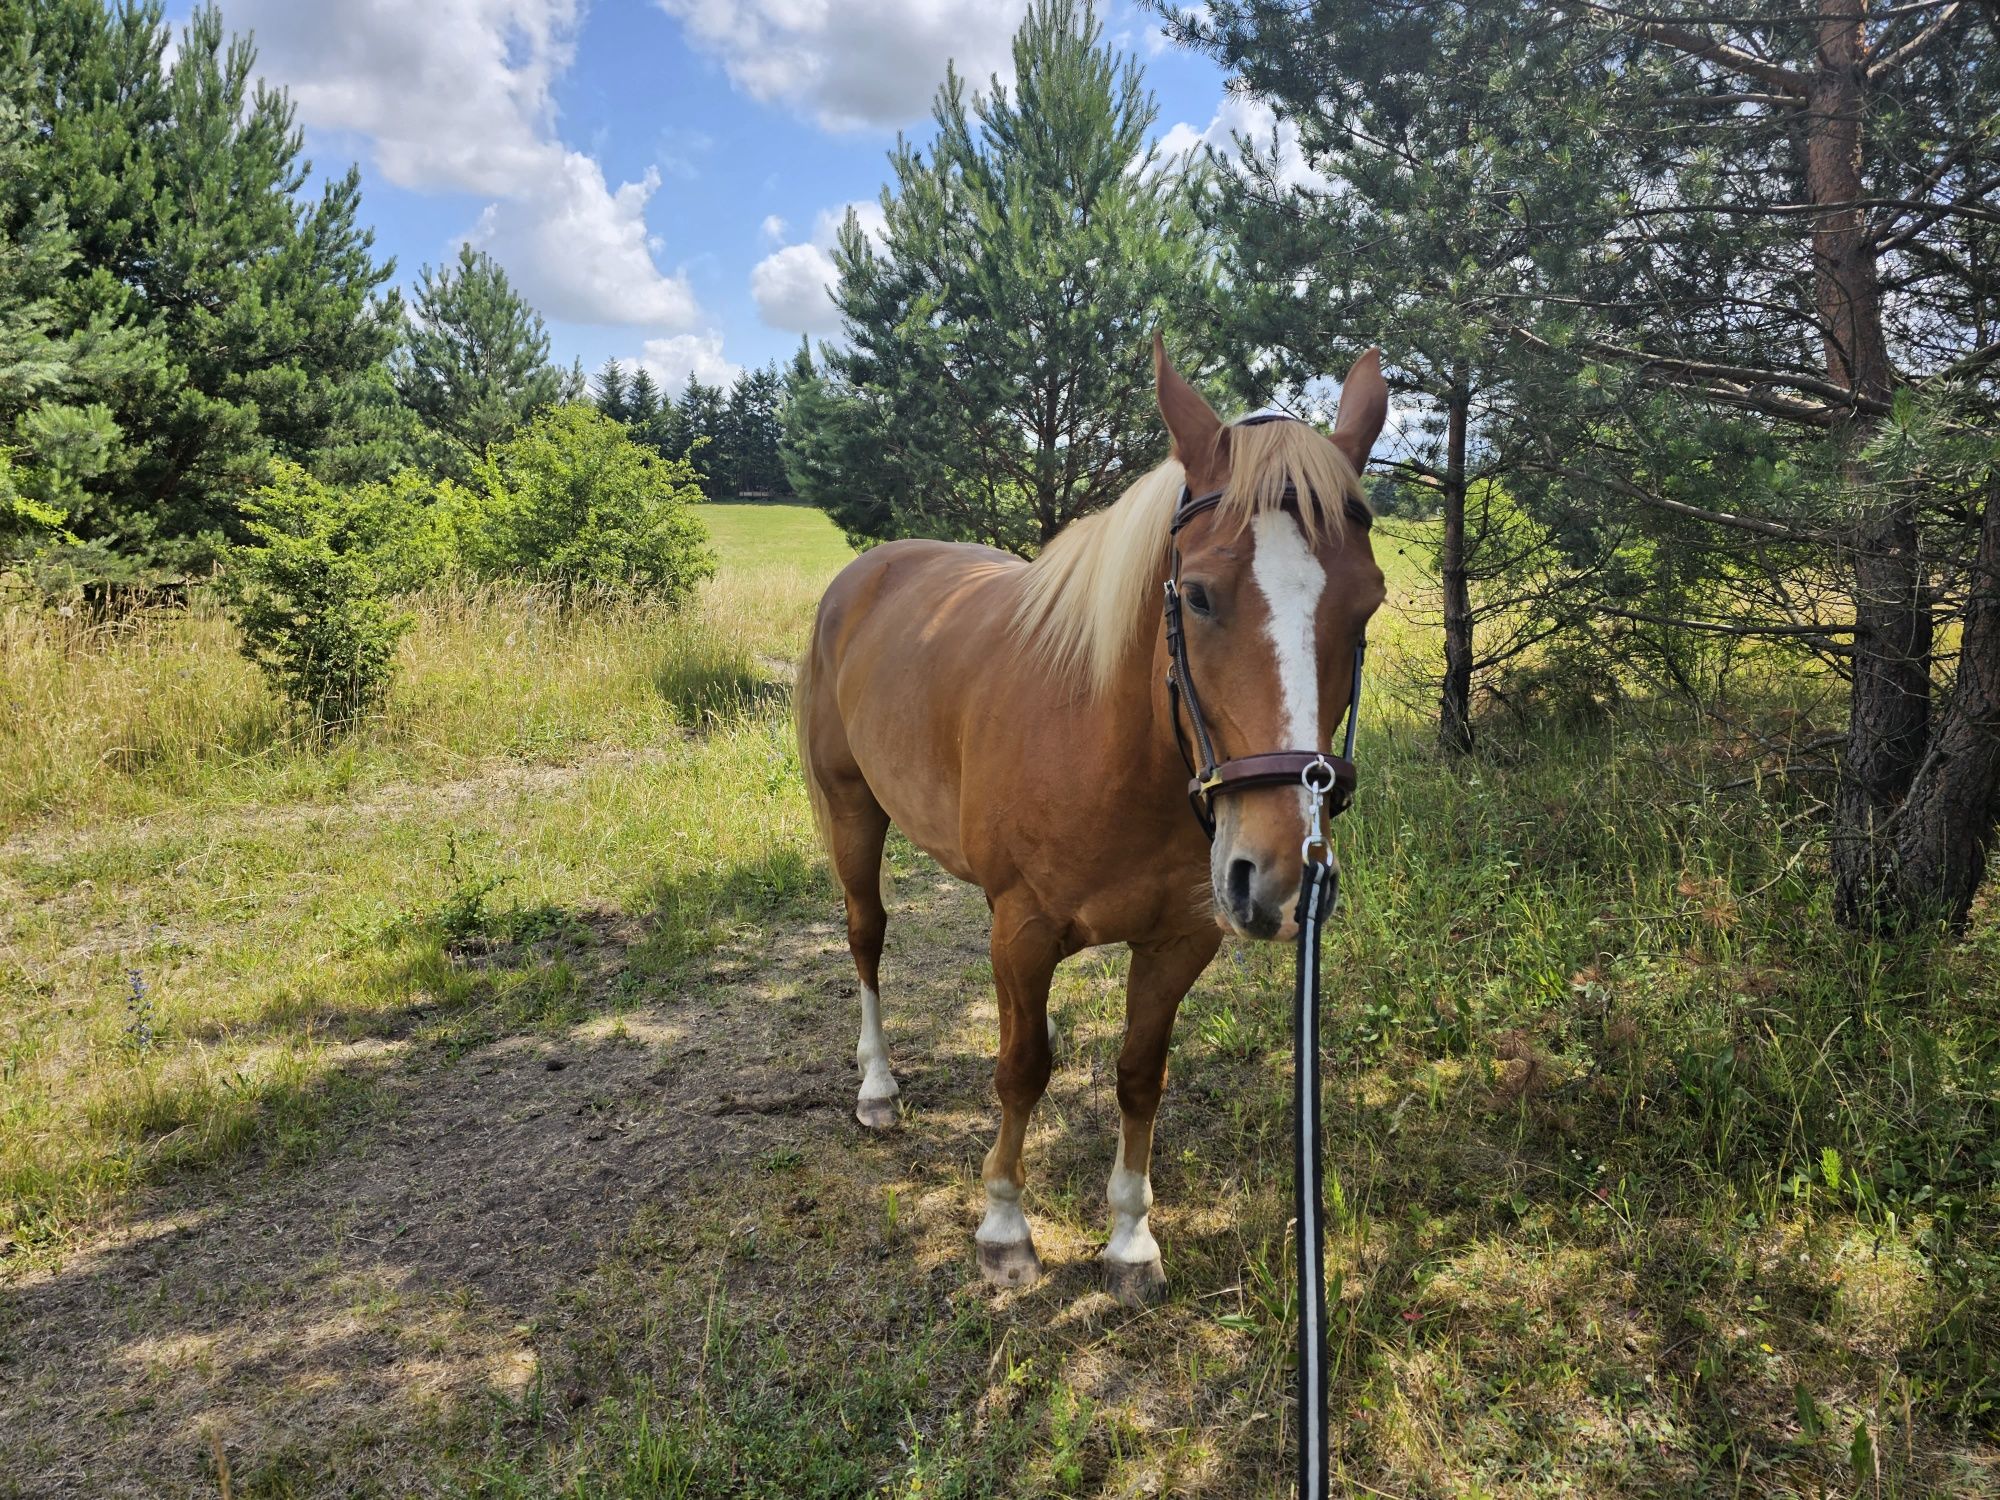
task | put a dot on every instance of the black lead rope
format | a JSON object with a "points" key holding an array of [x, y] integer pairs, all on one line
{"points": [[1317, 894]]}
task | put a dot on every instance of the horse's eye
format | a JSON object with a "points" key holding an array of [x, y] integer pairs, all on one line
{"points": [[1197, 598]]}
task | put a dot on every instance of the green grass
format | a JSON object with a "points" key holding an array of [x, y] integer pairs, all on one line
{"points": [[263, 886], [1645, 1179], [773, 537]]}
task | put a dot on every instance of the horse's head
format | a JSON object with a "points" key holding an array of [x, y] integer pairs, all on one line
{"points": [[1277, 583]]}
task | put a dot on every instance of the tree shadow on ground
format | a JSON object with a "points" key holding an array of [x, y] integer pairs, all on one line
{"points": [[722, 687]]}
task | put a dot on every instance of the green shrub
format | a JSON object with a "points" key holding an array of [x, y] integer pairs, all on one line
{"points": [[25, 522], [418, 529], [574, 501], [310, 595]]}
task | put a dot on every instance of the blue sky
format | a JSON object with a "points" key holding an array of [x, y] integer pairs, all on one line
{"points": [[660, 177]]}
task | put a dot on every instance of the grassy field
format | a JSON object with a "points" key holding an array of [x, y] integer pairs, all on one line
{"points": [[462, 1108]]}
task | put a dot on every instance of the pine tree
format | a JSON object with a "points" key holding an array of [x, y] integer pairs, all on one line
{"points": [[55, 435], [1434, 128], [825, 428], [642, 398], [700, 427], [753, 432], [1758, 254], [611, 391], [666, 434], [1807, 272], [181, 190], [474, 362], [996, 379]]}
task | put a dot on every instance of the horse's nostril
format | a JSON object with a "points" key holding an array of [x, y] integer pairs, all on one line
{"points": [[1241, 873]]}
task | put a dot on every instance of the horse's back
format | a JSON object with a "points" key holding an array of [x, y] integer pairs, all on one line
{"points": [[904, 637]]}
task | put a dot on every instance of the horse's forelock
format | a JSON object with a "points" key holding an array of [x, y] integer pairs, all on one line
{"points": [[1078, 599], [1272, 462]]}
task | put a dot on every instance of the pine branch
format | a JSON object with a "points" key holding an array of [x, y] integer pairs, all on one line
{"points": [[1777, 530], [1915, 45], [1706, 49]]}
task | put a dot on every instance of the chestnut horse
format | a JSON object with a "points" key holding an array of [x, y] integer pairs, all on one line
{"points": [[1013, 720]]}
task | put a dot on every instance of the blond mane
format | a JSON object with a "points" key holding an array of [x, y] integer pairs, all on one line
{"points": [[1077, 601]]}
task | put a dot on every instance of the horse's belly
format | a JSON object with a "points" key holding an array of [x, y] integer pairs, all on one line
{"points": [[915, 778]]}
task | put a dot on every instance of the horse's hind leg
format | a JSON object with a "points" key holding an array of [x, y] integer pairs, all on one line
{"points": [[1161, 974], [1026, 949], [858, 827]]}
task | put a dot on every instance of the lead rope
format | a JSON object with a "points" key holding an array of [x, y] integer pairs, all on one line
{"points": [[1318, 892]]}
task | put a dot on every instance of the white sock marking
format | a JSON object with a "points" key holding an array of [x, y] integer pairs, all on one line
{"points": [[1291, 581], [1131, 1197], [1004, 1223], [871, 1053]]}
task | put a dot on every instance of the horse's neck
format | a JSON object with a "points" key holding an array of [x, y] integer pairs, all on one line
{"points": [[1136, 714]]}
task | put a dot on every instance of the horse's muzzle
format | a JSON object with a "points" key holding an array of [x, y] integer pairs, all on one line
{"points": [[1257, 902]]}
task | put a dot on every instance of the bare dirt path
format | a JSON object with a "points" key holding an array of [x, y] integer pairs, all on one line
{"points": [[422, 1280]]}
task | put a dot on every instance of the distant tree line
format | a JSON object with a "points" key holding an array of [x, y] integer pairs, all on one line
{"points": [[730, 437]]}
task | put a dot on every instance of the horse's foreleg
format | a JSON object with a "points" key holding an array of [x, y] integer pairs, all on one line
{"points": [[1161, 974], [1025, 952]]}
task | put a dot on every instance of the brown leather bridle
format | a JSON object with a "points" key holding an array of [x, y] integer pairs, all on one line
{"points": [[1332, 776]]}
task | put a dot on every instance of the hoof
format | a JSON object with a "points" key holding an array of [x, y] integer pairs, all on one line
{"points": [[876, 1114], [1135, 1283], [1010, 1265]]}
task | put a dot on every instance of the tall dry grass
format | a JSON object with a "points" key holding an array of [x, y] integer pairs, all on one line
{"points": [[146, 712]]}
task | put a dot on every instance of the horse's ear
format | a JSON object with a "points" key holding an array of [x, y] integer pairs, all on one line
{"points": [[1191, 421], [1364, 407]]}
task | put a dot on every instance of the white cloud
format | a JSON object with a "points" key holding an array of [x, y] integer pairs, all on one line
{"points": [[586, 251], [1240, 115], [852, 63], [774, 229], [672, 360], [793, 289], [793, 286], [456, 96]]}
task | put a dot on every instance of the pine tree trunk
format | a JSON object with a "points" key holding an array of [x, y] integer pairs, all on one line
{"points": [[1455, 698], [1889, 704], [1944, 829]]}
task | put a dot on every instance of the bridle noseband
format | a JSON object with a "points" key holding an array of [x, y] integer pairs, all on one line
{"points": [[1331, 776]]}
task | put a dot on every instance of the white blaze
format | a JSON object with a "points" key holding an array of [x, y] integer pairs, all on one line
{"points": [[1291, 581]]}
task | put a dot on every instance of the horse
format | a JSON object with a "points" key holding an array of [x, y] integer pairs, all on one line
{"points": [[1016, 720]]}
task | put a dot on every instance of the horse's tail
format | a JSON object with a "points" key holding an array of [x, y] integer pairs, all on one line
{"points": [[804, 705]]}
